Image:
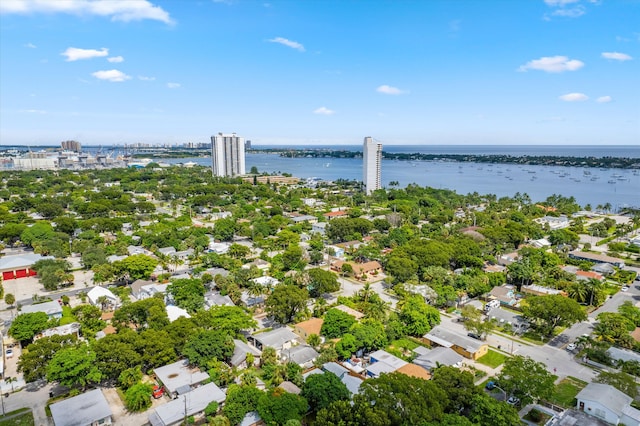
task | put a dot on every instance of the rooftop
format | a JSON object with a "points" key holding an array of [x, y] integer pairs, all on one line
{"points": [[81, 410], [179, 374]]}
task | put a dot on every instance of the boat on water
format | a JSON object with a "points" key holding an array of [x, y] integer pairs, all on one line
{"points": [[612, 181]]}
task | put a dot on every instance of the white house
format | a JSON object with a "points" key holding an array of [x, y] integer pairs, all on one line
{"points": [[52, 309], [97, 292], [607, 403], [175, 312]]}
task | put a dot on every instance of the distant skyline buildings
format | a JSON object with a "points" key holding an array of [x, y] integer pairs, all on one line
{"points": [[371, 165], [227, 155]]}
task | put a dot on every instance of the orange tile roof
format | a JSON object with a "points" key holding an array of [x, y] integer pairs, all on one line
{"points": [[590, 274], [335, 214], [414, 370], [311, 326]]}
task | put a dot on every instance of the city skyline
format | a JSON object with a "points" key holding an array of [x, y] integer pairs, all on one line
{"points": [[320, 73]]}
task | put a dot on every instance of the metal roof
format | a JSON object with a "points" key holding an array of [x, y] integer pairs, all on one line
{"points": [[81, 410]]}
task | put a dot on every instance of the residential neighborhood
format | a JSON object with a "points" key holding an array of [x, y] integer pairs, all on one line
{"points": [[166, 296]]}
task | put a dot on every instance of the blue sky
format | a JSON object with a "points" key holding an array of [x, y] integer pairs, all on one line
{"points": [[320, 72]]}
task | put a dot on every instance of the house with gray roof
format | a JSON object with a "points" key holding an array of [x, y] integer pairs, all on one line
{"points": [[174, 377], [464, 345], [383, 362], [303, 355], [19, 266], [624, 355], [167, 251], [216, 299], [136, 287], [290, 387], [87, 409], [352, 383], [240, 351], [439, 356], [189, 404], [252, 418], [607, 403], [278, 339], [52, 309]]}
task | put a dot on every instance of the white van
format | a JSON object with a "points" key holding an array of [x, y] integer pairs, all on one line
{"points": [[491, 304]]}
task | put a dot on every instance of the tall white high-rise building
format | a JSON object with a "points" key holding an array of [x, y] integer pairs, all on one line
{"points": [[371, 165], [227, 155]]}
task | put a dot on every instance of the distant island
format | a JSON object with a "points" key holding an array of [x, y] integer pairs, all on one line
{"points": [[542, 160]]}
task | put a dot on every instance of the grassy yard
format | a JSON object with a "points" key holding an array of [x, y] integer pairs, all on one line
{"points": [[566, 391], [21, 417], [492, 359]]}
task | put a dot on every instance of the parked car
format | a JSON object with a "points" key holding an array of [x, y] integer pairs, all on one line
{"points": [[491, 385], [474, 335], [513, 400], [571, 347], [158, 391], [9, 353], [624, 288]]}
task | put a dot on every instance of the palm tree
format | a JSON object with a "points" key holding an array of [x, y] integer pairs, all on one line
{"points": [[578, 292]]}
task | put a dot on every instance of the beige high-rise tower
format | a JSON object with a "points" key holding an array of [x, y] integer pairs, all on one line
{"points": [[371, 165]]}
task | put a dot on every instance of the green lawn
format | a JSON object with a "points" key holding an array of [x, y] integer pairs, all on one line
{"points": [[566, 391], [492, 359], [67, 316], [21, 417]]}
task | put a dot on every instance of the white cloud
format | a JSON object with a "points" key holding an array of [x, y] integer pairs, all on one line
{"points": [[552, 64], [389, 90], [145, 78], [173, 85], [574, 97], [75, 54], [604, 99], [117, 10], [111, 75], [573, 12], [289, 43], [324, 111], [555, 3], [115, 59], [617, 56], [31, 46], [33, 111]]}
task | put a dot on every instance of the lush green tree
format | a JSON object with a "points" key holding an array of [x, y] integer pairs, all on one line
{"points": [[321, 281], [320, 390], [401, 267], [138, 266], [286, 302], [145, 313], [93, 256], [208, 345], [90, 319], [418, 317], [614, 328], [486, 410], [187, 293], [130, 377], [406, 400], [35, 357], [138, 397], [157, 347], [343, 413], [627, 309], [278, 406], [336, 323], [369, 334], [53, 273], [74, 365], [548, 312], [527, 379], [238, 251], [564, 237], [292, 258], [38, 232], [9, 299], [230, 319], [459, 386], [116, 353], [240, 400], [622, 381], [224, 229], [26, 326], [346, 346]]}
